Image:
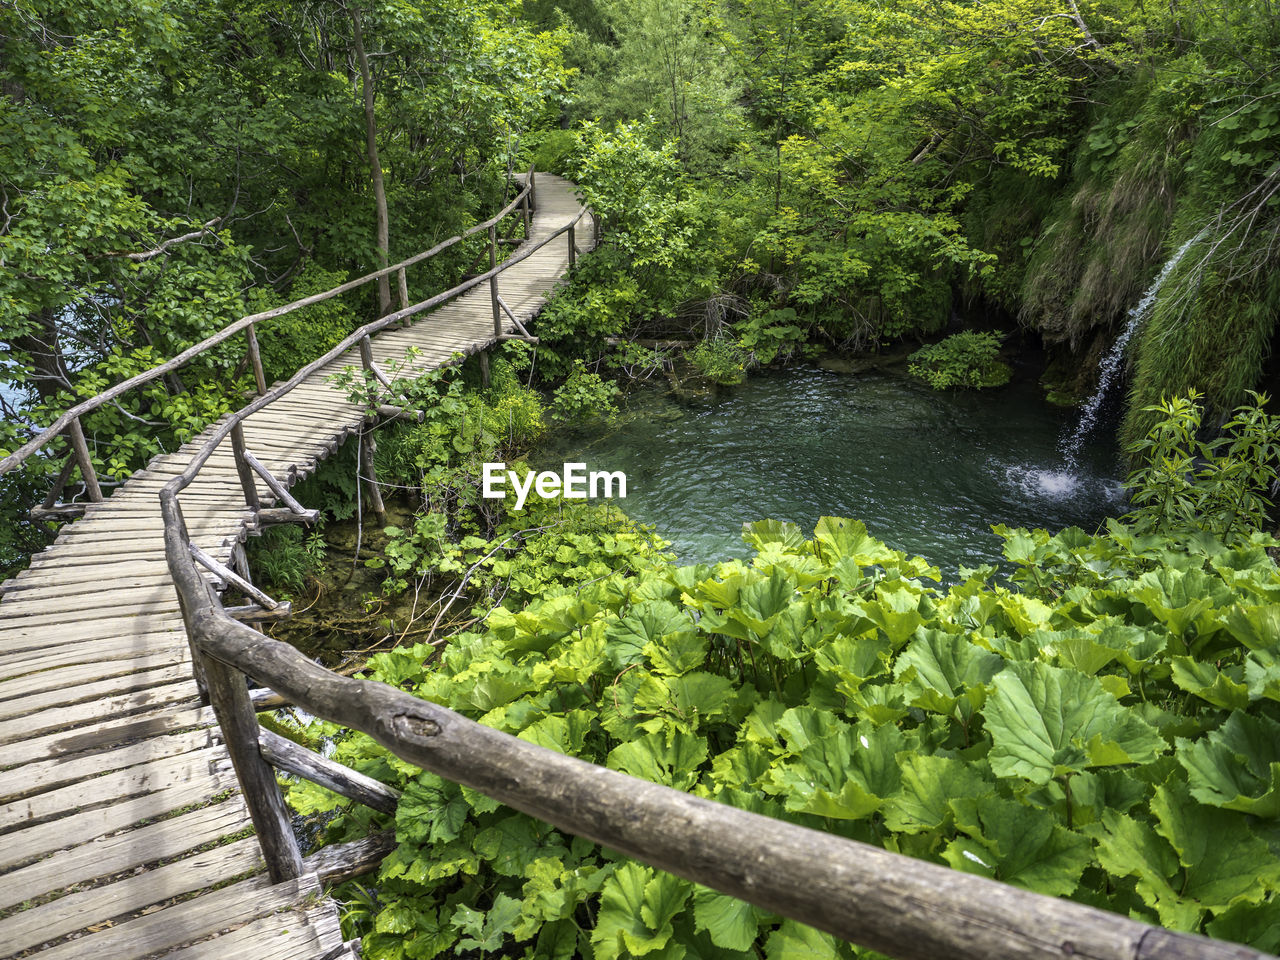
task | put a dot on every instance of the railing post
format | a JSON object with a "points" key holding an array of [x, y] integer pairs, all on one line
{"points": [[229, 697], [366, 353], [255, 359], [533, 189], [367, 450], [247, 482], [573, 249], [493, 281], [81, 447]]}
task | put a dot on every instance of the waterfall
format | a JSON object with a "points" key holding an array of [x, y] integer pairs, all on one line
{"points": [[1110, 366]]}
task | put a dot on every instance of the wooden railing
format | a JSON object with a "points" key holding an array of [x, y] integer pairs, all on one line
{"points": [[69, 424]]}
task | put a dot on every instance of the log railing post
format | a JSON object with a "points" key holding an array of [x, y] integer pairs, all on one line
{"points": [[255, 360], [573, 248], [245, 471], [493, 281], [533, 189], [81, 447], [367, 450], [229, 697]]}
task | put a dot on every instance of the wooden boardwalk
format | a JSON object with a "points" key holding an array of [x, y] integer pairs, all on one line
{"points": [[122, 830]]}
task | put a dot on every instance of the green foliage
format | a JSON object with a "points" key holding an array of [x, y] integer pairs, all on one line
{"points": [[585, 397], [721, 360], [287, 556], [1183, 484], [1100, 725], [315, 329], [969, 359]]}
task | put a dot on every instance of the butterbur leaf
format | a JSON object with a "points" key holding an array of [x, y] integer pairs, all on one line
{"points": [[647, 622], [929, 784], [636, 907], [1219, 688], [780, 532], [1257, 627], [1236, 766], [678, 653], [937, 669], [838, 538], [896, 612], [796, 941], [653, 757], [1023, 845], [486, 932], [730, 922], [840, 771], [1131, 847], [1257, 925], [690, 698], [1223, 859], [1048, 721]]}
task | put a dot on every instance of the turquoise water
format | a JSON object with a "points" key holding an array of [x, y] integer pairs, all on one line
{"points": [[927, 472]]}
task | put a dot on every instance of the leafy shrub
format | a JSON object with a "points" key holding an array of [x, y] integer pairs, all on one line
{"points": [[1183, 484], [286, 557], [585, 397], [313, 329], [969, 359], [721, 360], [826, 683], [555, 151]]}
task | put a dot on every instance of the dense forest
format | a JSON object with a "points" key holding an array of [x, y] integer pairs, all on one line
{"points": [[1091, 714]]}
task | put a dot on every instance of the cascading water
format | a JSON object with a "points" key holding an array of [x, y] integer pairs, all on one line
{"points": [[1110, 366]]}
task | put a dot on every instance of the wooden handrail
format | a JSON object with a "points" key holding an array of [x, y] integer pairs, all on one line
{"points": [[70, 416]]}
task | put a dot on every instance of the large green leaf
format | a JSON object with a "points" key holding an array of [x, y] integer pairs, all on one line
{"points": [[1192, 860], [795, 941], [1017, 844], [838, 771], [1236, 766], [943, 671], [636, 907], [929, 784], [1048, 721], [731, 923]]}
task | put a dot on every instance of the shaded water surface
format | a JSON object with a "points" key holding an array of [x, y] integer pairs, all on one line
{"points": [[927, 472]]}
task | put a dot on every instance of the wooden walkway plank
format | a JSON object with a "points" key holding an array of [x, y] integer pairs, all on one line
{"points": [[56, 919], [109, 855]]}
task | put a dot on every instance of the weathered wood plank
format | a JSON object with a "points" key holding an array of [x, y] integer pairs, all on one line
{"points": [[65, 681], [33, 778], [281, 936], [108, 855], [188, 921], [73, 715], [119, 784], [64, 694], [95, 650], [103, 735], [56, 919], [32, 842]]}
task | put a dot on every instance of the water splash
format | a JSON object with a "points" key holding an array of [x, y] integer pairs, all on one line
{"points": [[1109, 368]]}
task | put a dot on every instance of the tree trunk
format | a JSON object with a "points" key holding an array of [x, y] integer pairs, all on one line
{"points": [[375, 168]]}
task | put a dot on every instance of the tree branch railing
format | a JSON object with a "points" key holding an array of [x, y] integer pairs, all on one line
{"points": [[69, 424]]}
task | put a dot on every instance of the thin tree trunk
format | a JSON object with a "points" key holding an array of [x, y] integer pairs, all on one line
{"points": [[375, 167]]}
